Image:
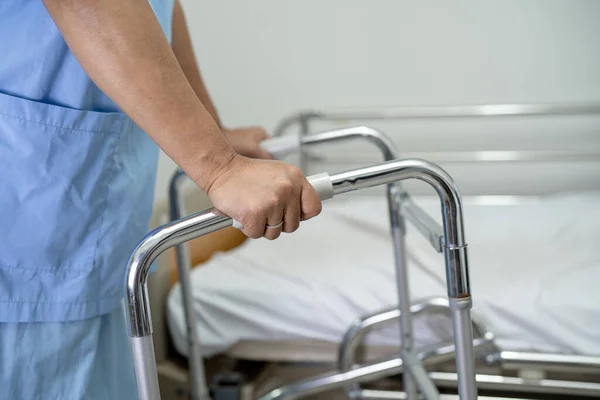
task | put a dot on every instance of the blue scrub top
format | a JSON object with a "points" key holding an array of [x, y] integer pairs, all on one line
{"points": [[76, 176]]}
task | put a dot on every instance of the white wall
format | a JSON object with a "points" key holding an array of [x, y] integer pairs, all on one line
{"points": [[265, 59]]}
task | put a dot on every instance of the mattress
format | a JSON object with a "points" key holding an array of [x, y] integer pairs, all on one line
{"points": [[534, 268]]}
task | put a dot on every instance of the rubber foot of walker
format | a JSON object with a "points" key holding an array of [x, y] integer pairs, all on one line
{"points": [[227, 386]]}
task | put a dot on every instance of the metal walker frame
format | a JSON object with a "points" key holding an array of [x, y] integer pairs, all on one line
{"points": [[454, 247], [491, 356], [399, 206], [428, 227]]}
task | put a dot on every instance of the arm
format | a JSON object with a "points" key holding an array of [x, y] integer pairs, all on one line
{"points": [[245, 141], [124, 51], [183, 50]]}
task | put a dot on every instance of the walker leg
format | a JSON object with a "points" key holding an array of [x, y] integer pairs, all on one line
{"points": [[197, 378], [463, 339], [400, 258], [420, 376], [145, 367], [198, 385]]}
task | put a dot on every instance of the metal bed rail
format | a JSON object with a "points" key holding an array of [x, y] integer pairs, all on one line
{"points": [[399, 204], [496, 383], [455, 252], [431, 112], [446, 111]]}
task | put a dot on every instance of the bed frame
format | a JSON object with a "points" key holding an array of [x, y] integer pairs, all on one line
{"points": [[404, 208]]}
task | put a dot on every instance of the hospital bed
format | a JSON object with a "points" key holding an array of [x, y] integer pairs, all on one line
{"points": [[509, 358]]}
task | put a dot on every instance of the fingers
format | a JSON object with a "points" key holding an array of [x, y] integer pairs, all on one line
{"points": [[274, 224], [267, 197], [310, 202], [260, 135], [292, 215], [256, 228]]}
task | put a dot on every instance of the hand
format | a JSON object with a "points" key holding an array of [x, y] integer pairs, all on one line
{"points": [[246, 141], [258, 193]]}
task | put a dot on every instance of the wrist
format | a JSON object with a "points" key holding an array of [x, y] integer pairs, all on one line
{"points": [[209, 165]]}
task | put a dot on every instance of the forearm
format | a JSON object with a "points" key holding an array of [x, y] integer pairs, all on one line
{"points": [[184, 52], [123, 49]]}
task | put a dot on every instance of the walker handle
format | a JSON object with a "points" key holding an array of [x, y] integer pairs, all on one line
{"points": [[321, 183], [279, 147]]}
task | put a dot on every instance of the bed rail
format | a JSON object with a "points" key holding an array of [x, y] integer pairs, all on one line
{"points": [[459, 111], [305, 119], [420, 220], [175, 233], [498, 383]]}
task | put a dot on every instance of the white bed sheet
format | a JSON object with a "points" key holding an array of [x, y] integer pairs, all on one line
{"points": [[535, 277]]}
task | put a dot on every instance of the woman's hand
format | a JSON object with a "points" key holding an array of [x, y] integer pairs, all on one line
{"points": [[263, 193], [246, 141]]}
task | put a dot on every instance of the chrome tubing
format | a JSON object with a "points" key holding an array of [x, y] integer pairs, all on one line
{"points": [[455, 249], [546, 362], [396, 198], [145, 371], [573, 363], [461, 111], [389, 395], [413, 376], [398, 230], [330, 381], [505, 383], [154, 244], [482, 110], [292, 120], [427, 226], [136, 290], [355, 335], [365, 373], [304, 118], [198, 385]]}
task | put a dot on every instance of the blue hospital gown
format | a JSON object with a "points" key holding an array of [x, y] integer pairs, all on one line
{"points": [[76, 185]]}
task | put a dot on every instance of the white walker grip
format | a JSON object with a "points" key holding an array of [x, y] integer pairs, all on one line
{"points": [[321, 183], [281, 146]]}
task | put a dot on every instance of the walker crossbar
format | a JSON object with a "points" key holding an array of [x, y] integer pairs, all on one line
{"points": [[491, 355], [355, 335], [427, 226], [455, 251], [399, 204], [365, 373]]}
